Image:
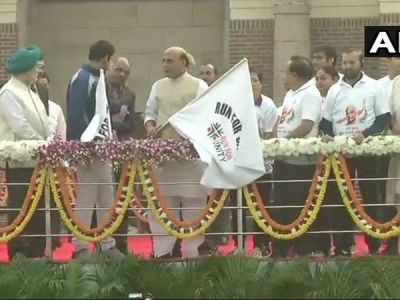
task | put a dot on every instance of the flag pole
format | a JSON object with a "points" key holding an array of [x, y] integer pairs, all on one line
{"points": [[210, 87]]}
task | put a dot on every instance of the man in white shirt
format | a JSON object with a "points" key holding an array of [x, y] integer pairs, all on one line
{"points": [[370, 115], [23, 117], [301, 113], [168, 96], [385, 85]]}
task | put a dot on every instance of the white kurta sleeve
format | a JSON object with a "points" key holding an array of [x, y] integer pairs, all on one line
{"points": [[202, 87], [151, 113], [13, 113]]}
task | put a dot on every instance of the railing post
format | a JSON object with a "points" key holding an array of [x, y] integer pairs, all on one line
{"points": [[239, 198], [47, 204]]}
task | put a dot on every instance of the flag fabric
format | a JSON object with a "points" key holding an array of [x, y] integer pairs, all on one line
{"points": [[222, 125], [99, 127]]}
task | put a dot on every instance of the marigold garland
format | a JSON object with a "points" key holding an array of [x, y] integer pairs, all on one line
{"points": [[29, 206], [353, 204], [172, 227], [162, 205], [308, 208], [109, 226], [297, 228], [3, 189], [138, 209]]}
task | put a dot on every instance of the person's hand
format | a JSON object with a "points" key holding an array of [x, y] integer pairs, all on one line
{"points": [[358, 138], [152, 131]]}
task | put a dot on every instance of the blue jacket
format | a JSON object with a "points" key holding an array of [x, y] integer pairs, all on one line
{"points": [[81, 101]]}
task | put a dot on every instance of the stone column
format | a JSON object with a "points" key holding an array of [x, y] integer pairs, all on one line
{"points": [[291, 37]]}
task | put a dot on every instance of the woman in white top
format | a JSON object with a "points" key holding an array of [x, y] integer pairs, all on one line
{"points": [[54, 111], [58, 129], [267, 115], [324, 78]]}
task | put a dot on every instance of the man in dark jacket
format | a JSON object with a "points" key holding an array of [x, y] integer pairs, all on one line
{"points": [[81, 104]]}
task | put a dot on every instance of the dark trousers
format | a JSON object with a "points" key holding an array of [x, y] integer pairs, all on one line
{"points": [[369, 167], [265, 188], [29, 246], [333, 219], [121, 242], [291, 194]]}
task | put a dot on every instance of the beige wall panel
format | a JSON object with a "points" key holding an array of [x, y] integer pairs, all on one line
{"points": [[140, 30], [168, 13]]}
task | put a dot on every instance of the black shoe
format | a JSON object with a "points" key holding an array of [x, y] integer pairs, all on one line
{"points": [[165, 256], [205, 249]]}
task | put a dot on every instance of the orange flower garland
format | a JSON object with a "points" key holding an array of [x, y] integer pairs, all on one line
{"points": [[358, 201], [3, 189], [32, 199], [62, 187], [33, 190], [308, 208], [138, 209], [162, 205]]}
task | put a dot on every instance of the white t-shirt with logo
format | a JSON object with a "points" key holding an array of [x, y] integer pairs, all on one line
{"points": [[305, 103], [267, 115], [354, 109]]}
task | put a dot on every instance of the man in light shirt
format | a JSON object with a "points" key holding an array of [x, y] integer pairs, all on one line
{"points": [[385, 87], [168, 96], [371, 117], [301, 113], [23, 117]]}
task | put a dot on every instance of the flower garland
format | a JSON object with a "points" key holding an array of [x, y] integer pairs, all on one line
{"points": [[138, 209], [372, 145], [162, 205], [29, 206], [353, 203], [3, 189], [114, 217], [20, 151], [307, 216], [150, 151], [182, 230]]}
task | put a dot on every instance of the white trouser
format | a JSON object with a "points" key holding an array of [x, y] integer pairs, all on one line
{"points": [[101, 195], [164, 244]]}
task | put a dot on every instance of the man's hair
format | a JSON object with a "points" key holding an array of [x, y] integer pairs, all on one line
{"points": [[210, 64], [328, 51], [259, 74], [301, 66], [331, 71], [101, 49], [358, 51]]}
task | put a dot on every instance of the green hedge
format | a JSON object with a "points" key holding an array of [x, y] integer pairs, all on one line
{"points": [[236, 277]]}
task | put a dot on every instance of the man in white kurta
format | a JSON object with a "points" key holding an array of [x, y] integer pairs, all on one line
{"points": [[168, 96]]}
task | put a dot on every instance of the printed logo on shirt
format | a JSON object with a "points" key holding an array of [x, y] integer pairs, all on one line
{"points": [[352, 120], [287, 114]]}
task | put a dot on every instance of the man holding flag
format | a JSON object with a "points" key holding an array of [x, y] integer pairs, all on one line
{"points": [[88, 119], [168, 96], [222, 125]]}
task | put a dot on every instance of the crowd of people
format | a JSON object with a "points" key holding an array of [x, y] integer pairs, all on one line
{"points": [[319, 101]]}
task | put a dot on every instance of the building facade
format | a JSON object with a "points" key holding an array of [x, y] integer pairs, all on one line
{"points": [[221, 32]]}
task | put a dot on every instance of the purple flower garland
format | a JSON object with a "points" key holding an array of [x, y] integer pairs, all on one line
{"points": [[150, 151]]}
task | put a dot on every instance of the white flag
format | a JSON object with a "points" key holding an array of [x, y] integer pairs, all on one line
{"points": [[222, 125], [100, 125]]}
